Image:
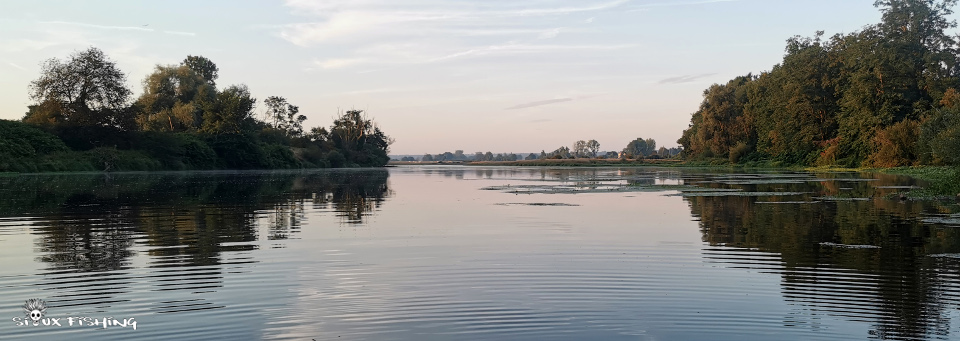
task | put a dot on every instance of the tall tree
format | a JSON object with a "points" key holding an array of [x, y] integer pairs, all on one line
{"points": [[580, 148], [640, 147], [593, 147], [174, 99], [87, 89], [284, 116], [721, 121], [232, 112], [363, 142], [897, 70], [203, 67]]}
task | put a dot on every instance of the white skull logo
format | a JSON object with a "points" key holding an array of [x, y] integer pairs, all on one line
{"points": [[34, 308]]}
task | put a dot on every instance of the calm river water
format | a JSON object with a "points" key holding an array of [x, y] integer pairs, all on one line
{"points": [[464, 253]]}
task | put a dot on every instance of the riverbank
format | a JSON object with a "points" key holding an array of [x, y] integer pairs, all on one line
{"points": [[27, 148]]}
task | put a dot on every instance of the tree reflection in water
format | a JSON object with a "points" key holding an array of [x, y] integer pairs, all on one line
{"points": [[854, 259], [93, 223]]}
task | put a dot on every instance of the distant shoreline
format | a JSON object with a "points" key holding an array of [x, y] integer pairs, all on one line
{"points": [[555, 163]]}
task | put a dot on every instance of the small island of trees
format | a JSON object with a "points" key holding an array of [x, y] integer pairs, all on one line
{"points": [[84, 119]]}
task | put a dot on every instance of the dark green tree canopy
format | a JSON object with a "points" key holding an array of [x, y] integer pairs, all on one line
{"points": [[86, 89], [640, 147], [854, 99], [232, 111], [181, 121], [284, 116], [203, 67]]}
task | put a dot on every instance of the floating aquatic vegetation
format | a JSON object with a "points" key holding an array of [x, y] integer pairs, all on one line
{"points": [[953, 219], [945, 255], [897, 187], [848, 246], [705, 189], [760, 182], [834, 198], [535, 204], [735, 194], [574, 189], [787, 202]]}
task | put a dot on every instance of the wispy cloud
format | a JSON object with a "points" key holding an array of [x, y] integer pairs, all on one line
{"points": [[525, 48], [21, 45], [539, 103], [337, 63], [378, 33], [103, 27], [679, 3], [400, 55], [189, 34], [684, 78], [16, 66], [143, 28], [564, 10], [551, 33], [338, 20]]}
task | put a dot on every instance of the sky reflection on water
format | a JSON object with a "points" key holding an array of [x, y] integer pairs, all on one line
{"points": [[469, 253]]}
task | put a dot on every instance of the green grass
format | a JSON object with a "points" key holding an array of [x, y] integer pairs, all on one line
{"points": [[943, 181]]}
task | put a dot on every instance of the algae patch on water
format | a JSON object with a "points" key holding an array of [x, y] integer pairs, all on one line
{"points": [[575, 189], [836, 198], [714, 193], [952, 219], [848, 246], [556, 204]]}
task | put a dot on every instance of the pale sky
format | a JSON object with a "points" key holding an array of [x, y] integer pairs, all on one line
{"points": [[476, 75]]}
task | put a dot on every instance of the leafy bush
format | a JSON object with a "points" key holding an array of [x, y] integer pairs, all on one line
{"points": [[896, 145], [738, 151], [19, 139], [940, 136], [237, 151], [279, 156]]}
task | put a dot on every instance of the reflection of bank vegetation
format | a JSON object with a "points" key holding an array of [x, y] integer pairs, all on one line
{"points": [[193, 226], [863, 259], [91, 222]]}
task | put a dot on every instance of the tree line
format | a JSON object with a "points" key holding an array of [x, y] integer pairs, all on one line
{"points": [[883, 96], [83, 118], [636, 149]]}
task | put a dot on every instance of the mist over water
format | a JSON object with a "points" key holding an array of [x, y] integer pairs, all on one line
{"points": [[451, 252]]}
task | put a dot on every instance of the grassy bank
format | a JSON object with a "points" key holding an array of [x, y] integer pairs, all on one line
{"points": [[944, 181]]}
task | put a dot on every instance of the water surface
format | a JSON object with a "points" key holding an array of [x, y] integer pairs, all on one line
{"points": [[460, 253]]}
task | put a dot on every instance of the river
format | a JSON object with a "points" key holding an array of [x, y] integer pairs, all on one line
{"points": [[472, 253]]}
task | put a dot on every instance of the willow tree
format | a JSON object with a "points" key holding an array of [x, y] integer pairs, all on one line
{"points": [[174, 99]]}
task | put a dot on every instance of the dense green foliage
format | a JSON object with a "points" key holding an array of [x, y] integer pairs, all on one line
{"points": [[84, 120], [884, 96]]}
